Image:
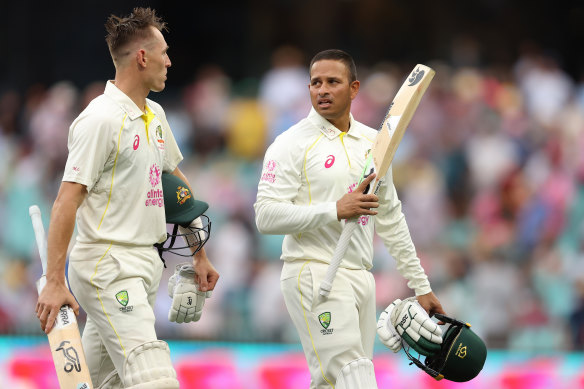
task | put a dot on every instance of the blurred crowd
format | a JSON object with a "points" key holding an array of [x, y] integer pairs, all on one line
{"points": [[490, 174]]}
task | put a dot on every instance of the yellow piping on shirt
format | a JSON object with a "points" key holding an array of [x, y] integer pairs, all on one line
{"points": [[306, 174], [308, 328], [304, 167], [101, 301], [109, 197], [341, 135]]}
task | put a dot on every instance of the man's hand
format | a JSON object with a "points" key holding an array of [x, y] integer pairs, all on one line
{"points": [[206, 275], [431, 304], [415, 326], [187, 299], [357, 203], [53, 296]]}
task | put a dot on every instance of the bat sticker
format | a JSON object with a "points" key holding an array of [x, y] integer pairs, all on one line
{"points": [[71, 356], [415, 77]]}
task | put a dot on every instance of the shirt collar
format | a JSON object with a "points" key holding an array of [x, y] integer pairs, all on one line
{"points": [[112, 91], [327, 128]]}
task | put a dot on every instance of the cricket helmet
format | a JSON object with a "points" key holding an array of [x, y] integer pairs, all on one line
{"points": [[461, 356], [181, 208]]}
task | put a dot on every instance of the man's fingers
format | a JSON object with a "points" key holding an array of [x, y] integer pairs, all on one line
{"points": [[363, 185], [202, 281], [51, 320], [369, 205]]}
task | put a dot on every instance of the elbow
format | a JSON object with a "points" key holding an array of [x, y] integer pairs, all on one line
{"points": [[261, 225]]}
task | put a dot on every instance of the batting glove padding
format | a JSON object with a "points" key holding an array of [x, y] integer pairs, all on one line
{"points": [[386, 331], [415, 326], [187, 299]]}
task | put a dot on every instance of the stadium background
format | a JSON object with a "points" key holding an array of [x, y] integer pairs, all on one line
{"points": [[490, 172]]}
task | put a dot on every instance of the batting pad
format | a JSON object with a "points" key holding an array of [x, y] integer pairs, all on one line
{"points": [[357, 374], [148, 366]]}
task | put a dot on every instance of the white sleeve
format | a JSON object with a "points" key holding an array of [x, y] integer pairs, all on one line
{"points": [[90, 144], [391, 226], [275, 211], [172, 154]]}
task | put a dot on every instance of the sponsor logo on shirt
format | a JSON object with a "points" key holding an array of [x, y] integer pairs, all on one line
{"points": [[155, 173], [269, 174], [330, 160], [154, 197]]}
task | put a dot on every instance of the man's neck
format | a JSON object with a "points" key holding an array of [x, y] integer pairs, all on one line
{"points": [[131, 88], [343, 124]]}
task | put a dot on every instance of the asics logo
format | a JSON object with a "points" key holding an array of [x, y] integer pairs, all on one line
{"points": [[330, 160]]}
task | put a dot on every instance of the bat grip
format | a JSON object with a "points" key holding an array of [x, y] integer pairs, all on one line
{"points": [[39, 234], [327, 284]]}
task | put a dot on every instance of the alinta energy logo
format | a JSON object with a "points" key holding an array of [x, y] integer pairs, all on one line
{"points": [[155, 197], [325, 321]]}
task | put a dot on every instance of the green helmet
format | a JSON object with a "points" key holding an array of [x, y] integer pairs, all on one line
{"points": [[181, 208], [461, 356]]}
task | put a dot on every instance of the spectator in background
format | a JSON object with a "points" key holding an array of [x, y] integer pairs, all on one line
{"points": [[282, 90]]}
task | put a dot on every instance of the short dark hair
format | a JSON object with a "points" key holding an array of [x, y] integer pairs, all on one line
{"points": [[122, 30], [337, 55]]}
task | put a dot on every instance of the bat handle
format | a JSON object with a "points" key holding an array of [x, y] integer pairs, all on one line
{"points": [[327, 284], [39, 234]]}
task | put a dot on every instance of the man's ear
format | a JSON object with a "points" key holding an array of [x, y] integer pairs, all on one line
{"points": [[141, 57], [355, 88]]}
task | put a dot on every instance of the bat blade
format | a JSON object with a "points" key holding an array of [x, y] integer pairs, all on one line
{"points": [[390, 134], [397, 119], [64, 338]]}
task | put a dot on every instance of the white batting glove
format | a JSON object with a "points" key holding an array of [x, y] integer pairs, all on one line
{"points": [[415, 326], [386, 331], [187, 299]]}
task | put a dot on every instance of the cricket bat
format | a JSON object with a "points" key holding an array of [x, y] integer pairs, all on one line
{"points": [[391, 132], [64, 338]]}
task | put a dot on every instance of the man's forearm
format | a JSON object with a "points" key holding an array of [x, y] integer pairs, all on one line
{"points": [[61, 228], [279, 218]]}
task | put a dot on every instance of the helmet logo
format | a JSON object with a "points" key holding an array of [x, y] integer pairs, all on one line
{"points": [[182, 195], [154, 175], [461, 352]]}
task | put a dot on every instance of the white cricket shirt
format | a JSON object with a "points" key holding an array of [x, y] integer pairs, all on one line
{"points": [[306, 170], [119, 153]]}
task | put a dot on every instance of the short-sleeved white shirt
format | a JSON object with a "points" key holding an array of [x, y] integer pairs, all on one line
{"points": [[119, 153]]}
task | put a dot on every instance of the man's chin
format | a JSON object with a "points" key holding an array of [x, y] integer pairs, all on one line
{"points": [[158, 88], [325, 112]]}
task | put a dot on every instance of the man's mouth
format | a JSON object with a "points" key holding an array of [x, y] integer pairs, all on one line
{"points": [[323, 103]]}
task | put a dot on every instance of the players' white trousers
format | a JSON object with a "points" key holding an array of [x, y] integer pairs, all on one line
{"points": [[334, 330], [116, 285]]}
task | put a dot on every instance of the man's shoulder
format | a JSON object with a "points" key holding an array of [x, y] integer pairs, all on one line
{"points": [[363, 131], [101, 109], [299, 131]]}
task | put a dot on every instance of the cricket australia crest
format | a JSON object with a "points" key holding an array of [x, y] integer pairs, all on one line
{"points": [[325, 321]]}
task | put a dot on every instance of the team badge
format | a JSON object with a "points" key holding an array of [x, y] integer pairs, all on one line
{"points": [[325, 319], [159, 134], [122, 297], [182, 195]]}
